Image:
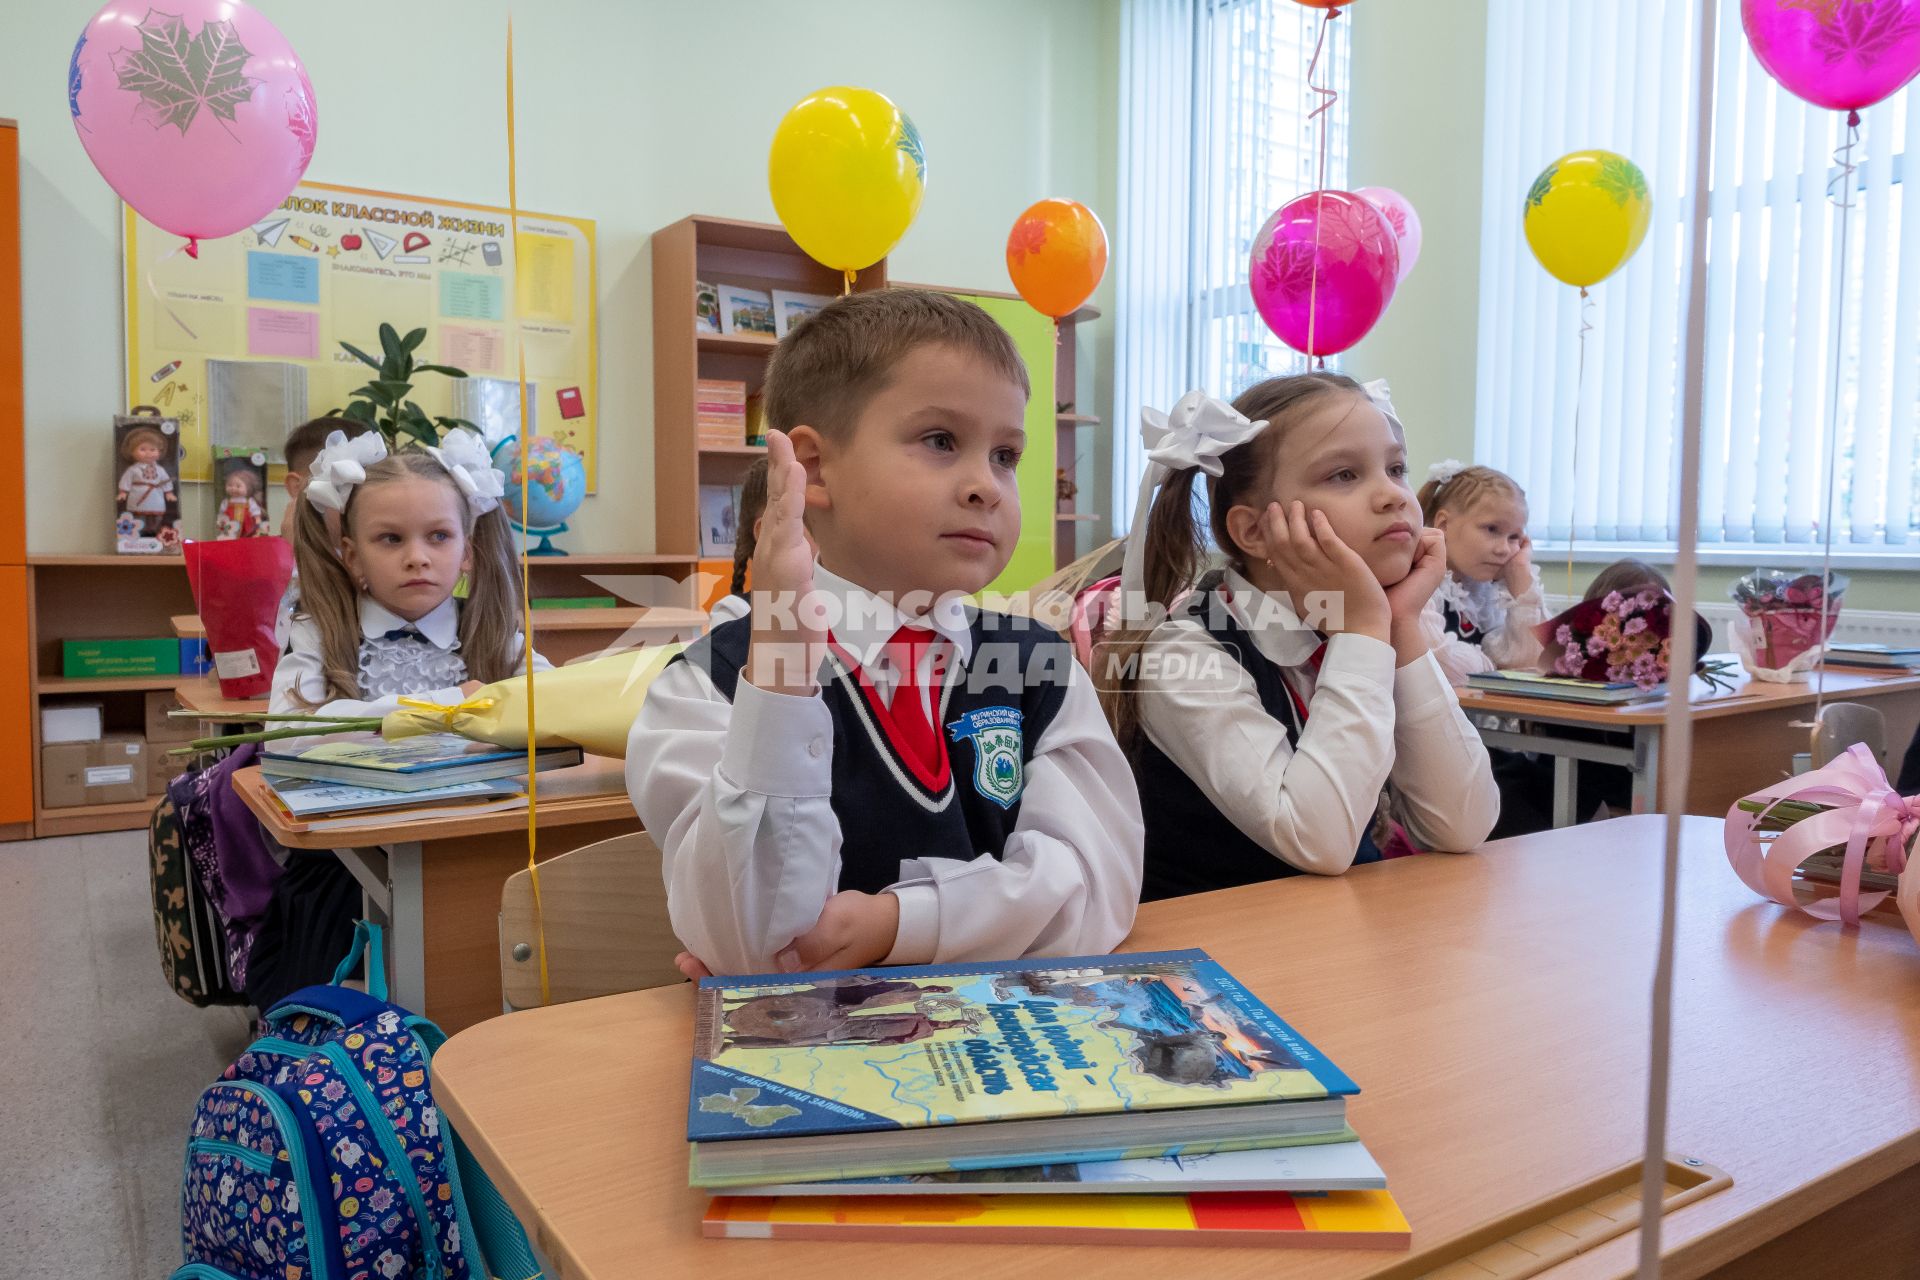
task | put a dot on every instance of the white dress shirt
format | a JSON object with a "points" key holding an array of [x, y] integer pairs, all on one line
{"points": [[1368, 725], [390, 668], [1506, 624], [739, 797]]}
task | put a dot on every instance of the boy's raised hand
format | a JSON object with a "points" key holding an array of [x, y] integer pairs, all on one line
{"points": [[787, 642], [1310, 558]]}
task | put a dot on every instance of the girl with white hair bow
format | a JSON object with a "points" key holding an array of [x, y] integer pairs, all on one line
{"points": [[377, 618], [1283, 697]]}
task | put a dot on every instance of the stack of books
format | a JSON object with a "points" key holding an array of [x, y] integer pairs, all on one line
{"points": [[1532, 684], [1878, 657], [1106, 1099], [432, 768], [720, 411]]}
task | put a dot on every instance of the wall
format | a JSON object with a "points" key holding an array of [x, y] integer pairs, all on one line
{"points": [[1419, 99], [634, 114]]}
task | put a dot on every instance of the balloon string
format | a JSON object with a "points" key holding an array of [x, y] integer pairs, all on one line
{"points": [[526, 586], [154, 288], [1329, 96], [1843, 199], [1579, 394]]}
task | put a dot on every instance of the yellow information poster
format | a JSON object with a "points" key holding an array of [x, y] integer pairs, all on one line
{"points": [[332, 264]]}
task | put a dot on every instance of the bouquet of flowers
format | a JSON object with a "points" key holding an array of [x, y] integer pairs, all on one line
{"points": [[1619, 637], [1780, 632], [1842, 825]]}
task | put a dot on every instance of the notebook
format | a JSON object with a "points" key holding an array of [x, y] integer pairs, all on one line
{"points": [[405, 764]]}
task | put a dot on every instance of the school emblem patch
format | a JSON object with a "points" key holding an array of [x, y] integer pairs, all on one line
{"points": [[995, 734]]}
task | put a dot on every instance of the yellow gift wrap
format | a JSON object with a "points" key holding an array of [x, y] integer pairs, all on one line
{"points": [[590, 705]]}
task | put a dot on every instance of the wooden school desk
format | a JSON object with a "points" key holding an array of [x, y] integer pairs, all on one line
{"points": [[1743, 738], [202, 694], [1494, 1009], [435, 883]]}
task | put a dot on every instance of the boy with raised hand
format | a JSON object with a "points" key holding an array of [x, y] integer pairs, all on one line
{"points": [[868, 769]]}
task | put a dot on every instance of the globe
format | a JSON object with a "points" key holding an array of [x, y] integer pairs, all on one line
{"points": [[556, 486]]}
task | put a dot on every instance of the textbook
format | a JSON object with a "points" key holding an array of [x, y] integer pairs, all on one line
{"points": [[1319, 1166], [304, 798], [1336, 1220], [803, 1077], [1884, 656], [405, 764], [1532, 684]]}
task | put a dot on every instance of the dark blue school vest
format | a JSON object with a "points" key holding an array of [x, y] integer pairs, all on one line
{"points": [[1191, 847], [992, 712]]}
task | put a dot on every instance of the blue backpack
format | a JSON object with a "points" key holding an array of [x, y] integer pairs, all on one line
{"points": [[319, 1155]]}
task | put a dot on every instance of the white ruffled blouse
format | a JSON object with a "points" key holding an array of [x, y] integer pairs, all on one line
{"points": [[1505, 623], [419, 659]]}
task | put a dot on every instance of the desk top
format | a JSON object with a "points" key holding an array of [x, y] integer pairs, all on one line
{"points": [[202, 694], [1747, 695], [1493, 1007], [188, 626], [595, 791]]}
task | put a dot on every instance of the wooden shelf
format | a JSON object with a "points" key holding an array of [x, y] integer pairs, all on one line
{"points": [[1074, 517], [103, 684], [1076, 419], [188, 626], [734, 450], [739, 344], [1081, 316], [659, 618], [127, 815], [108, 562]]}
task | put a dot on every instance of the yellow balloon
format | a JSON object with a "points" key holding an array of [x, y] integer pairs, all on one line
{"points": [[847, 173], [1586, 214]]}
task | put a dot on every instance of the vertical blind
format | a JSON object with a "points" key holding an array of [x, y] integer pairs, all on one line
{"points": [[1564, 76], [1214, 136]]}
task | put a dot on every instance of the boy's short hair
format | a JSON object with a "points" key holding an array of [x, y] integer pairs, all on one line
{"points": [[829, 366], [307, 439]]}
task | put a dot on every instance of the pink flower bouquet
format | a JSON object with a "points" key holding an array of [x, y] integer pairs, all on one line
{"points": [[1619, 637]]}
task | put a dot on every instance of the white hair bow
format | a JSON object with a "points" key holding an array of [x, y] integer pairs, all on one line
{"points": [[1441, 473], [1382, 398], [464, 454], [1194, 434], [340, 465]]}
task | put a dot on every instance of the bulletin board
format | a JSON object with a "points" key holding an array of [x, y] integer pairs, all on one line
{"points": [[330, 265]]}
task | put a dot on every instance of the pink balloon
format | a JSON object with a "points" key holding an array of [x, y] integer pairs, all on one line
{"points": [[1840, 54], [1324, 269], [201, 118], [1400, 215]]}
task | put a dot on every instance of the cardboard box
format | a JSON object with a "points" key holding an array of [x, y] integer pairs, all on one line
{"points": [[110, 771], [106, 658], [162, 768], [72, 722], [195, 658], [163, 728]]}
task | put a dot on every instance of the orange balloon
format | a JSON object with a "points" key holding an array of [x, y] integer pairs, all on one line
{"points": [[1057, 254], [1324, 4]]}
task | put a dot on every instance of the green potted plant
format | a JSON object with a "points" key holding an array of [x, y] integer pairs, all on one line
{"points": [[383, 404]]}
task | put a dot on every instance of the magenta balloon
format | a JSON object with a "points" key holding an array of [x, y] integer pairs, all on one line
{"points": [[1324, 269], [200, 117], [1840, 54]]}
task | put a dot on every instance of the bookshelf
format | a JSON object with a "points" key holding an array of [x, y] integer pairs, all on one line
{"points": [[753, 255], [1068, 519]]}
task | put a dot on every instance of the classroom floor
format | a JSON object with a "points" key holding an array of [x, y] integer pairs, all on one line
{"points": [[99, 1064]]}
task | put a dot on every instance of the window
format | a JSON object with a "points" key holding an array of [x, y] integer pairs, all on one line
{"points": [[1214, 136], [1565, 75]]}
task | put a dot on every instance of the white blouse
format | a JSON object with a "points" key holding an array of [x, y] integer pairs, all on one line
{"points": [[1369, 725], [1505, 621], [419, 659]]}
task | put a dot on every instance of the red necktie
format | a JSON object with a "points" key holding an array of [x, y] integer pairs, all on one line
{"points": [[913, 731], [1299, 703]]}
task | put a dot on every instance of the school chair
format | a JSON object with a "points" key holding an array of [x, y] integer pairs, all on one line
{"points": [[1841, 725], [605, 911]]}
